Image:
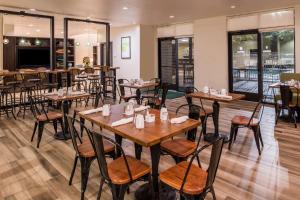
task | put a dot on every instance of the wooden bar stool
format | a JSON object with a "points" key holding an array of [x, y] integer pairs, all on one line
{"points": [[191, 181], [85, 152], [119, 173]]}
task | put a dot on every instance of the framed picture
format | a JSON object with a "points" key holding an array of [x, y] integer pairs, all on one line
{"points": [[126, 47]]}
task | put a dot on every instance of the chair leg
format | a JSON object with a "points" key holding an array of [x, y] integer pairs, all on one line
{"points": [[74, 117], [55, 126], [34, 130], [203, 124], [231, 136], [256, 137], [260, 136], [212, 190], [277, 115], [40, 132], [82, 121], [85, 170], [73, 170], [122, 192], [61, 124], [236, 130], [100, 188]]}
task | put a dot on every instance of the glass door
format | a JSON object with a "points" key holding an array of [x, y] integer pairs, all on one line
{"points": [[244, 64], [176, 62], [167, 62]]}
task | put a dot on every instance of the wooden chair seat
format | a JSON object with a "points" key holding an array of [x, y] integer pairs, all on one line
{"points": [[118, 172], [180, 147], [51, 116], [243, 120], [86, 149], [208, 111], [195, 182]]}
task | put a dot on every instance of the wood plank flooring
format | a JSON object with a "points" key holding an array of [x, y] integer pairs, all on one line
{"points": [[42, 174]]}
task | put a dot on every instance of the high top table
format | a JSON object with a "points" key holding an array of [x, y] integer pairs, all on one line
{"points": [[151, 136], [211, 137]]}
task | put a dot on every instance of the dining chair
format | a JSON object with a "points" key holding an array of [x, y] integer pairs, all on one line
{"points": [[190, 180], [154, 90], [155, 101], [122, 92], [89, 70], [43, 117], [205, 112], [181, 148], [84, 151], [286, 103], [84, 108], [121, 172], [253, 123], [7, 103], [77, 82]]}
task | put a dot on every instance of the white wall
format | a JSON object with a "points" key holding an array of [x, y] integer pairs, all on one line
{"points": [[129, 68], [210, 53]]}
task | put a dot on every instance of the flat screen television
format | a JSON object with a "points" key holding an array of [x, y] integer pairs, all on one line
{"points": [[29, 57]]}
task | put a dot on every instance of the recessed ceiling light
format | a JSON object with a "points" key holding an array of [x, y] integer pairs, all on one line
{"points": [[125, 8], [32, 9], [38, 30], [62, 32], [233, 7], [172, 16], [27, 33], [30, 25]]}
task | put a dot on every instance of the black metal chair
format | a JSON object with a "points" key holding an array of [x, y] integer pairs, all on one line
{"points": [[121, 172], [43, 117], [85, 152], [122, 92], [155, 101], [181, 148], [192, 181], [7, 101], [204, 112], [152, 91], [286, 103], [252, 123]]}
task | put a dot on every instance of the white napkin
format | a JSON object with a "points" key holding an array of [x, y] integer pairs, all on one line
{"points": [[179, 120], [91, 111], [141, 108], [223, 96], [122, 121], [77, 92]]}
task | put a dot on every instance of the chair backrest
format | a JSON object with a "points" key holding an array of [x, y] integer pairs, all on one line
{"points": [[215, 157], [97, 143], [122, 88], [259, 108], [194, 113], [165, 89], [189, 90], [74, 71], [34, 106], [74, 132], [156, 88], [286, 95]]}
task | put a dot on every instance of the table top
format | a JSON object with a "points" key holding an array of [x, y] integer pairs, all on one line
{"points": [[202, 95], [141, 86], [57, 98], [152, 134]]}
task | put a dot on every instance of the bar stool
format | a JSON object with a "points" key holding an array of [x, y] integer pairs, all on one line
{"points": [[6, 101]]}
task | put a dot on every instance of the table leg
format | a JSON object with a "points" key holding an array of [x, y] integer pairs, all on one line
{"points": [[118, 139], [211, 137], [138, 151], [115, 84], [138, 96], [64, 134], [146, 191]]}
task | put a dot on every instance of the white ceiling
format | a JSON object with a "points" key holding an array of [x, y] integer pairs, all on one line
{"points": [[154, 12]]}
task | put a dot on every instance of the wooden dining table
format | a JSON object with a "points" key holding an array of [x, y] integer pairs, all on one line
{"points": [[65, 100], [210, 137], [139, 87], [150, 136]]}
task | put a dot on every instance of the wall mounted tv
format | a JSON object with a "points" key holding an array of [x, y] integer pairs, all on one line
{"points": [[33, 57]]}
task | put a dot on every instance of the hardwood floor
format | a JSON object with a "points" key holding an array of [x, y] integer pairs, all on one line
{"points": [[30, 173]]}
